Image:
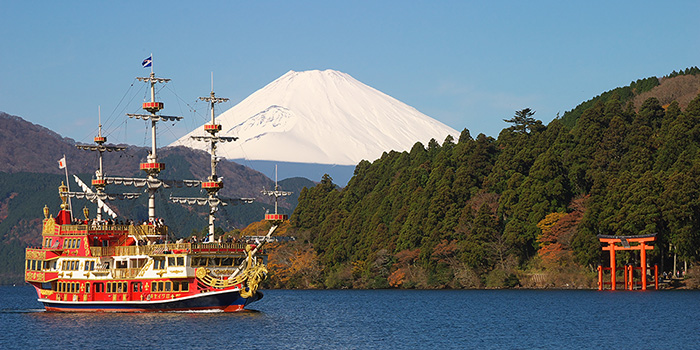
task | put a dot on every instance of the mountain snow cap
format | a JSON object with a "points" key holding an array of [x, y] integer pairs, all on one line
{"points": [[324, 117]]}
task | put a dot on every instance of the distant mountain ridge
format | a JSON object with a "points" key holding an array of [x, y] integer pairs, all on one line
{"points": [[322, 117], [47, 147]]}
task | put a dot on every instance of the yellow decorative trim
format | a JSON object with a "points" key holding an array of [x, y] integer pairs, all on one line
{"points": [[250, 278], [49, 226], [36, 255]]}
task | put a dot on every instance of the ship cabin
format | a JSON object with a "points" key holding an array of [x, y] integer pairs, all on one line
{"points": [[89, 261]]}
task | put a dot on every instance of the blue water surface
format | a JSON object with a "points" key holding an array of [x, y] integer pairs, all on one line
{"points": [[375, 319]]}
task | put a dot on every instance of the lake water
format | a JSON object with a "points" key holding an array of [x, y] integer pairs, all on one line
{"points": [[375, 319]]}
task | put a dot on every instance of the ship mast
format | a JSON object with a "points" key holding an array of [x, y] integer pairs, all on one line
{"points": [[276, 193], [99, 181], [214, 183], [152, 167]]}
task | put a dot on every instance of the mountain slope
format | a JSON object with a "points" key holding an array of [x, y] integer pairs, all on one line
{"points": [[324, 117]]}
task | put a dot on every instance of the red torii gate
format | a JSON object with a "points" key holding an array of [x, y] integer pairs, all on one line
{"points": [[624, 242]]}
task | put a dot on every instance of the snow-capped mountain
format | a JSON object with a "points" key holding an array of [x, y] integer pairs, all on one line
{"points": [[324, 117]]}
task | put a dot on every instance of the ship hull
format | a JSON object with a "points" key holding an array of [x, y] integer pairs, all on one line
{"points": [[224, 301]]}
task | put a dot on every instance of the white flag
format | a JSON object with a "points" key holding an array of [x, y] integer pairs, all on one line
{"points": [[62, 163]]}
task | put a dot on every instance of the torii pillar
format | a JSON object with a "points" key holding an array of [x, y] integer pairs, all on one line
{"points": [[624, 242]]}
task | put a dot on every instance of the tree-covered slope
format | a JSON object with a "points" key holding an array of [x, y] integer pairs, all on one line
{"points": [[466, 213]]}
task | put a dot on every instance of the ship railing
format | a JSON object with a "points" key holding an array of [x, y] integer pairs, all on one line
{"points": [[107, 228], [217, 246], [125, 273], [152, 249], [175, 248], [139, 231], [73, 229]]}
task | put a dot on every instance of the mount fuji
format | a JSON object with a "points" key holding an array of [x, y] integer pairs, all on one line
{"points": [[322, 117]]}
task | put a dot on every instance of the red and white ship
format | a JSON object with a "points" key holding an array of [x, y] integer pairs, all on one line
{"points": [[95, 265]]}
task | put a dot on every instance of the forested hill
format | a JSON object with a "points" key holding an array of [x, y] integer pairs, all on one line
{"points": [[680, 86], [478, 212]]}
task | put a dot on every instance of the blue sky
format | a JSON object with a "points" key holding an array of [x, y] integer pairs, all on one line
{"points": [[467, 64]]}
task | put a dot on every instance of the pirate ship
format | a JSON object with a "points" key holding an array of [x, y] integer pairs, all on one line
{"points": [[105, 265]]}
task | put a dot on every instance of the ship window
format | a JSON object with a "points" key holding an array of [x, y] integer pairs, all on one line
{"points": [[176, 261], [158, 263], [29, 264], [226, 261], [121, 264], [99, 287], [154, 286], [167, 286], [109, 287], [160, 286], [138, 263], [185, 286], [180, 286], [121, 287], [136, 287], [46, 265], [199, 262], [87, 287], [213, 262], [77, 243]]}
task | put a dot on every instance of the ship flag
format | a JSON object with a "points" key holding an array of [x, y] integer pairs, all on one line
{"points": [[147, 62], [62, 163]]}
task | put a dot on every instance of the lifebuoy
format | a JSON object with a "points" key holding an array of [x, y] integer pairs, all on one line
{"points": [[148, 297]]}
